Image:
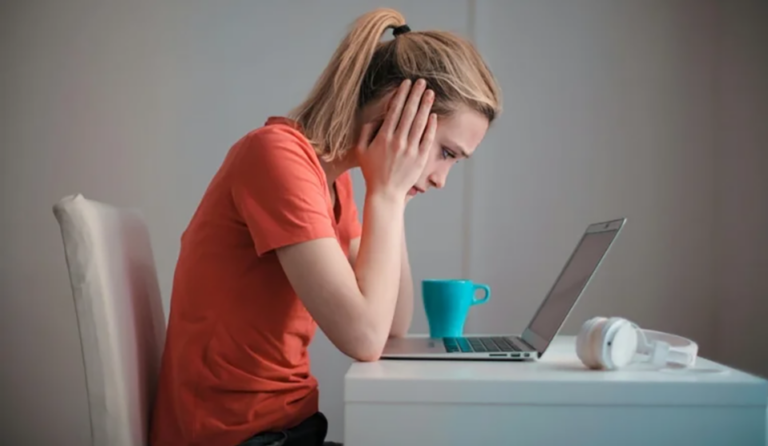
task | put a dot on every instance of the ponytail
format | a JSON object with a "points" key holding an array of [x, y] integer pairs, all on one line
{"points": [[363, 69], [328, 115]]}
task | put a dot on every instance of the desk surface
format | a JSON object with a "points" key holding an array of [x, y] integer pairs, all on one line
{"points": [[557, 378]]}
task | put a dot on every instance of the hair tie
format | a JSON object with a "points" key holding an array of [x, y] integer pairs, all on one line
{"points": [[400, 30]]}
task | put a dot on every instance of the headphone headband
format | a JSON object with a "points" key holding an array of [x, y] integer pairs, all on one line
{"points": [[611, 343], [675, 349]]}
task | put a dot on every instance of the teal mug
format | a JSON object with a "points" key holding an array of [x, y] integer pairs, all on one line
{"points": [[447, 303]]}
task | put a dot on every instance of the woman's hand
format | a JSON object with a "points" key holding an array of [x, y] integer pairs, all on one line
{"points": [[394, 160]]}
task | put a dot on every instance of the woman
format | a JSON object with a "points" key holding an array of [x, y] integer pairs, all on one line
{"points": [[276, 247]]}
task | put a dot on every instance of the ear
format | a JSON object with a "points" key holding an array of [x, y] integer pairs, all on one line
{"points": [[389, 98], [376, 127], [368, 127], [376, 109]]}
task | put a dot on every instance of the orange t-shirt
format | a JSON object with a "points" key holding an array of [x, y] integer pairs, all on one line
{"points": [[235, 360]]}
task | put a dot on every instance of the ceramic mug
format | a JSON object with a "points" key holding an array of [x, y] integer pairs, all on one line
{"points": [[447, 303]]}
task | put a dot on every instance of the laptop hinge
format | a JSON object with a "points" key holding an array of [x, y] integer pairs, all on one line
{"points": [[522, 341]]}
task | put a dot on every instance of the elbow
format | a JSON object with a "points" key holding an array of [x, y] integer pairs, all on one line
{"points": [[367, 356], [368, 346]]}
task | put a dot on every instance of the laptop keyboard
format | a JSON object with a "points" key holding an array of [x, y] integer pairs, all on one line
{"points": [[479, 345]]}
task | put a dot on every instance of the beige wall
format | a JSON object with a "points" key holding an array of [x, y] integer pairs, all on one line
{"points": [[644, 109], [608, 113], [741, 206]]}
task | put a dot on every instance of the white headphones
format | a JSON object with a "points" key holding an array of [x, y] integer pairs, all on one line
{"points": [[612, 343]]}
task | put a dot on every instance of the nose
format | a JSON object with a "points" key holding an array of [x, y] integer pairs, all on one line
{"points": [[437, 180]]}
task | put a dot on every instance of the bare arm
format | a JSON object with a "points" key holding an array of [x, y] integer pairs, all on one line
{"points": [[403, 317], [404, 309], [354, 305]]}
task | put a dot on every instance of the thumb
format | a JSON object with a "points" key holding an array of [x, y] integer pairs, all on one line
{"points": [[366, 133]]}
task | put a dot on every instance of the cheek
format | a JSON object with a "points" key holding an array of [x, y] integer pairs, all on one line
{"points": [[445, 168], [433, 162], [430, 168]]}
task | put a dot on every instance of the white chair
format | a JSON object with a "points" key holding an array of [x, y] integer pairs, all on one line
{"points": [[119, 314]]}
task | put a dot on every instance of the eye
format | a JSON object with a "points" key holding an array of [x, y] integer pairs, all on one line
{"points": [[446, 154]]}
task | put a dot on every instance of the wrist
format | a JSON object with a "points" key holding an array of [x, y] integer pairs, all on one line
{"points": [[385, 197]]}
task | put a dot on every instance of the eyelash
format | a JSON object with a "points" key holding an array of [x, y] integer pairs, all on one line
{"points": [[447, 153]]}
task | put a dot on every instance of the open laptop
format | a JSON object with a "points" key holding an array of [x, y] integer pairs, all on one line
{"points": [[547, 321]]}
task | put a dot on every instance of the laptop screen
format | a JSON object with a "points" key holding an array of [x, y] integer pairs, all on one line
{"points": [[573, 279]]}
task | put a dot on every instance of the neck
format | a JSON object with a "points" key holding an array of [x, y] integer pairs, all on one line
{"points": [[334, 169]]}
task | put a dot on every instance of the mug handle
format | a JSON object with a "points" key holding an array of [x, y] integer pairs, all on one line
{"points": [[483, 299]]}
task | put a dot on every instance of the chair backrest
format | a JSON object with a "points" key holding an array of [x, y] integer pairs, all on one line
{"points": [[119, 315]]}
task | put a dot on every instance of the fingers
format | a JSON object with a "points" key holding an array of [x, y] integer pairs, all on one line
{"points": [[421, 119], [409, 111], [393, 114], [428, 137], [366, 133]]}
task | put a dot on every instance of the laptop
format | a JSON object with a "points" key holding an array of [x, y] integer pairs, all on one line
{"points": [[546, 322]]}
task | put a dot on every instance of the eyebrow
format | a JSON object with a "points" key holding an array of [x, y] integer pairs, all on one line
{"points": [[461, 151]]}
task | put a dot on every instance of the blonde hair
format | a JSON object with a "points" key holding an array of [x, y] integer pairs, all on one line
{"points": [[364, 69]]}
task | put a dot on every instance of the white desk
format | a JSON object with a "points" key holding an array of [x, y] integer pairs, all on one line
{"points": [[555, 401]]}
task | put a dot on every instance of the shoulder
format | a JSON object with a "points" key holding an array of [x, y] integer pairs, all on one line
{"points": [[275, 140], [277, 148]]}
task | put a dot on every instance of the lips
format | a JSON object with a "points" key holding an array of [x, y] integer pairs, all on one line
{"points": [[415, 191]]}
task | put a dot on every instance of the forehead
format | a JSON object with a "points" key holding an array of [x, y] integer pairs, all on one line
{"points": [[462, 130]]}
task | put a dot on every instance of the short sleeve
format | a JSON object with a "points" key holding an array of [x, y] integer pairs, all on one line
{"points": [[278, 188]]}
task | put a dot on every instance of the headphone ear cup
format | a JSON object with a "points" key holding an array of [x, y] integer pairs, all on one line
{"points": [[585, 342], [604, 345], [596, 343], [619, 343], [581, 341], [624, 345]]}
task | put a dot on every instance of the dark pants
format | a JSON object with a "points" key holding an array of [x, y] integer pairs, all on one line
{"points": [[310, 432]]}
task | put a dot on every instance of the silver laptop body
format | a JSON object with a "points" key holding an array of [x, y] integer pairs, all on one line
{"points": [[546, 322]]}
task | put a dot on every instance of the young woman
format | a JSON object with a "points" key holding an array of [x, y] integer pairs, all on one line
{"points": [[276, 247]]}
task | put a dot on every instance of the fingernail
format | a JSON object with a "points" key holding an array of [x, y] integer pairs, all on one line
{"points": [[421, 82], [430, 94]]}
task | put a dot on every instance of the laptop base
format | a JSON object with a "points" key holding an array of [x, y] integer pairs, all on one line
{"points": [[485, 348]]}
